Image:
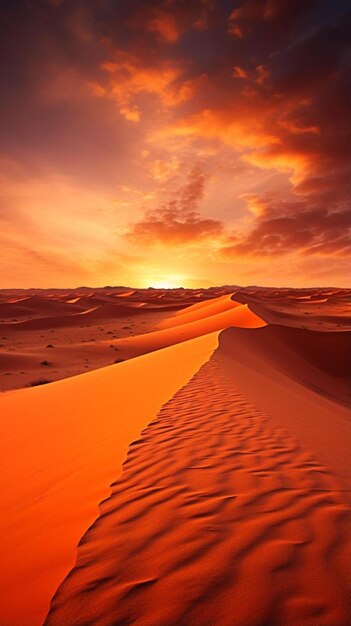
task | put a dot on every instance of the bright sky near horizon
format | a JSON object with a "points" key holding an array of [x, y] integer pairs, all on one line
{"points": [[170, 143]]}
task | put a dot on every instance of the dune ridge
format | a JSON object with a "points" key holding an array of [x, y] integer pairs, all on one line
{"points": [[86, 325], [61, 445], [222, 314], [314, 309], [201, 310], [221, 516], [98, 312]]}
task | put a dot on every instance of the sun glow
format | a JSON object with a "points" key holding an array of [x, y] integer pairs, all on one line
{"points": [[163, 284], [168, 282]]}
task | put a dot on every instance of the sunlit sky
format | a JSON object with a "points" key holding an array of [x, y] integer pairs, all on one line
{"points": [[175, 143]]}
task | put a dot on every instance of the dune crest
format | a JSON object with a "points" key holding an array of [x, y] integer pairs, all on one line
{"points": [[61, 446], [221, 516], [222, 314], [200, 310]]}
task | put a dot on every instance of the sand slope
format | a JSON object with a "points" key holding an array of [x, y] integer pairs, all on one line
{"points": [[201, 311], [75, 321], [319, 360], [97, 312], [315, 309], [222, 314], [61, 446], [221, 517], [303, 380]]}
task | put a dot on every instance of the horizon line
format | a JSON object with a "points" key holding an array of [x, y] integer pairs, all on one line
{"points": [[227, 285]]}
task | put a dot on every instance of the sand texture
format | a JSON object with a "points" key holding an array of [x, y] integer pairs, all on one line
{"points": [[197, 469], [220, 517]]}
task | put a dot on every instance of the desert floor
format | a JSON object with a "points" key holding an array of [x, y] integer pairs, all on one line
{"points": [[175, 457]]}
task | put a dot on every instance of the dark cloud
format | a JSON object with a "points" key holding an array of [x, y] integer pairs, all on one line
{"points": [[294, 226], [49, 116]]}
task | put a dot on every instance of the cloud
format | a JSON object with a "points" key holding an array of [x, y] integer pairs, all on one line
{"points": [[293, 226], [127, 77], [178, 221], [116, 97], [165, 25], [162, 170]]}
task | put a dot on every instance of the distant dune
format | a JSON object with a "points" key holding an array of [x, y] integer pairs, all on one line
{"points": [[221, 313]]}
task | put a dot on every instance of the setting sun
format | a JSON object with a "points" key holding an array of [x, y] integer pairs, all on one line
{"points": [[165, 284], [167, 281]]}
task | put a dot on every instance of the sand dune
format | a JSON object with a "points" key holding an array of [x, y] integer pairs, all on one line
{"points": [[73, 300], [176, 331], [10, 360], [314, 310], [106, 310], [127, 294], [43, 312], [201, 310], [46, 306], [286, 381], [61, 446], [97, 337], [319, 360], [234, 504], [222, 515], [12, 310], [97, 312]]}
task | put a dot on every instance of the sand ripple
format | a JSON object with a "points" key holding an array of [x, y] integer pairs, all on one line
{"points": [[219, 517]]}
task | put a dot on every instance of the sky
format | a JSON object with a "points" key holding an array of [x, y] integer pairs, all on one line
{"points": [[175, 143]]}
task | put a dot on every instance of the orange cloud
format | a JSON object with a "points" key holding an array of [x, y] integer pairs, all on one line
{"points": [[255, 204], [127, 78], [292, 226], [178, 221], [260, 75], [233, 25], [239, 72], [294, 127], [166, 227], [244, 132], [165, 24], [170, 20], [162, 170], [266, 111], [294, 163]]}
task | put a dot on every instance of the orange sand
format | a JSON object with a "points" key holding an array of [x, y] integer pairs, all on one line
{"points": [[52, 335], [176, 331], [61, 446], [233, 506], [86, 326], [200, 311]]}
